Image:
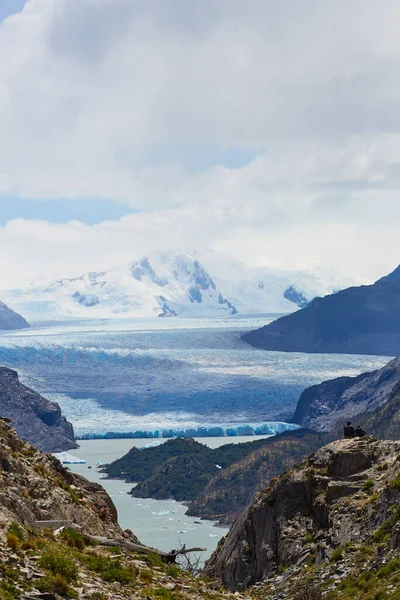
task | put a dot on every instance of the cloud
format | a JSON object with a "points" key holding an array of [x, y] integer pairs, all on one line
{"points": [[144, 103]]}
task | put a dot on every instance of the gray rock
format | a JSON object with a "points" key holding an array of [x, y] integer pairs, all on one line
{"points": [[36, 419]]}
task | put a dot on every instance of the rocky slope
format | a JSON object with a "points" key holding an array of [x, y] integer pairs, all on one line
{"points": [[36, 487], [330, 526], [358, 320], [59, 538], [36, 419], [323, 405], [10, 319]]}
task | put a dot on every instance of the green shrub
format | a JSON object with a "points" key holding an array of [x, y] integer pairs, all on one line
{"points": [[16, 530], [29, 544], [73, 538], [173, 571], [109, 569], [337, 554], [368, 485], [154, 560], [59, 561], [395, 483], [308, 538], [391, 567], [56, 584], [146, 575]]}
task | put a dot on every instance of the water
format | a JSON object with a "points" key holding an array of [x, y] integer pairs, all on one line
{"points": [[158, 523], [160, 376]]}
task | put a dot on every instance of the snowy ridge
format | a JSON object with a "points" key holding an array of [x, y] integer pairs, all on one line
{"points": [[174, 284], [160, 284], [265, 289]]}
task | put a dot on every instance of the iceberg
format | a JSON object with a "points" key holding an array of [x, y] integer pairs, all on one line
{"points": [[69, 459]]}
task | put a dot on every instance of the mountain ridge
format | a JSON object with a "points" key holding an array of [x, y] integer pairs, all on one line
{"points": [[175, 283], [357, 320]]}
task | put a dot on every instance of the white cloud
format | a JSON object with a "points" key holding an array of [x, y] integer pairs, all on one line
{"points": [[128, 100]]}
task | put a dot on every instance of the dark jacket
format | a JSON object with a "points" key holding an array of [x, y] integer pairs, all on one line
{"points": [[349, 431]]}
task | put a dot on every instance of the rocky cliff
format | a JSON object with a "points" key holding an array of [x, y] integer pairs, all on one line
{"points": [[36, 419], [10, 319], [326, 523], [358, 320], [323, 405]]}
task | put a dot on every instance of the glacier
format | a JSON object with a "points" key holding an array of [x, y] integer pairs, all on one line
{"points": [[166, 377], [206, 430]]}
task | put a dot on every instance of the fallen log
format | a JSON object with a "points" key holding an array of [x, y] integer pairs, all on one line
{"points": [[169, 557]]}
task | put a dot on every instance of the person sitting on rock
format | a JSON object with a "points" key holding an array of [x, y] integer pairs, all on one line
{"points": [[349, 430], [359, 431]]}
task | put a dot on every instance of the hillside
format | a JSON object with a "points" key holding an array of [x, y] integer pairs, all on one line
{"points": [[229, 492], [35, 418], [59, 538], [328, 528], [321, 406], [357, 320], [10, 319], [179, 469]]}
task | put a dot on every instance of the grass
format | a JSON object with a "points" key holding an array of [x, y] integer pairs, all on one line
{"points": [[337, 554], [16, 530], [368, 485], [73, 538], [109, 569], [56, 584], [146, 575], [12, 541], [395, 483]]}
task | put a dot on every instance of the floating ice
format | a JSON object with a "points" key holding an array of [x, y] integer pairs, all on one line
{"points": [[69, 459]]}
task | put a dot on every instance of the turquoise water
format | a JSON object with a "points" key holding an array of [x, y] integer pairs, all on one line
{"points": [[158, 523]]}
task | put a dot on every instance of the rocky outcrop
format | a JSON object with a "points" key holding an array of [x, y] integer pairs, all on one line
{"points": [[10, 319], [36, 487], [36, 419], [358, 320], [321, 406], [344, 496]]}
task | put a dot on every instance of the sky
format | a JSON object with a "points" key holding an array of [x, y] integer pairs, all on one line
{"points": [[268, 130]]}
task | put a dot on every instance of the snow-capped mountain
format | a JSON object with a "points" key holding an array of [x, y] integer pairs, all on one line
{"points": [[167, 284], [160, 284], [270, 290]]}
